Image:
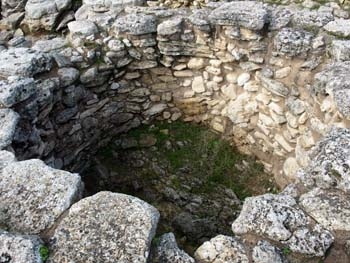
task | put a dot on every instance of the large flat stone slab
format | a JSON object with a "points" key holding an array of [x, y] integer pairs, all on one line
{"points": [[247, 14], [34, 195], [107, 227], [23, 62]]}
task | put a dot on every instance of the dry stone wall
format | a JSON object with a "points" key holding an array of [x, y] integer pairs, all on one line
{"points": [[271, 79]]}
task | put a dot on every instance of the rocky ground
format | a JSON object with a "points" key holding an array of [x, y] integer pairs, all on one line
{"points": [[195, 179]]}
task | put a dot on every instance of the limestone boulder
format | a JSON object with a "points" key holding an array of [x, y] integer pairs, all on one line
{"points": [[135, 24], [106, 227], [330, 208], [339, 27], [44, 14], [330, 162], [34, 195], [312, 18], [340, 50], [9, 7], [222, 249], [279, 218], [334, 80], [279, 17], [250, 15], [16, 89], [168, 252], [82, 28], [292, 42], [15, 248], [24, 62]]}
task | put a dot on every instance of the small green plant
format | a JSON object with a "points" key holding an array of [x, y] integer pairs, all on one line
{"points": [[286, 251], [156, 241], [44, 253]]}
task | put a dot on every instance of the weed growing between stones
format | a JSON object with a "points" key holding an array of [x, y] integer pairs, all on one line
{"points": [[44, 253]]}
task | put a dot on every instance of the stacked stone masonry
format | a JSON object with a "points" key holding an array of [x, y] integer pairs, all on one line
{"points": [[271, 79]]}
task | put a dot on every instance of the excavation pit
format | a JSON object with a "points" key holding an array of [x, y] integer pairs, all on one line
{"points": [[195, 178]]}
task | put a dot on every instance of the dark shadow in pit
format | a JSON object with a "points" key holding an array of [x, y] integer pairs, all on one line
{"points": [[194, 178]]}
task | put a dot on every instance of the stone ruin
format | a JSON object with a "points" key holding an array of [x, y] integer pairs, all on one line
{"points": [[272, 78]]}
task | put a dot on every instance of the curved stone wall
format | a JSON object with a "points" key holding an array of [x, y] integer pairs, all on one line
{"points": [[271, 79]]}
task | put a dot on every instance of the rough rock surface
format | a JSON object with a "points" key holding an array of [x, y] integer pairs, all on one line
{"points": [[168, 251], [339, 27], [9, 7], [330, 162], [136, 24], [15, 90], [106, 227], [6, 158], [264, 252], [330, 208], [16, 248], [8, 122], [279, 218], [42, 195], [250, 15], [44, 14], [23, 62], [341, 50], [334, 80], [222, 249], [292, 42]]}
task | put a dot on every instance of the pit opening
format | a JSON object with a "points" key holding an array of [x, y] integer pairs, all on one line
{"points": [[195, 178]]}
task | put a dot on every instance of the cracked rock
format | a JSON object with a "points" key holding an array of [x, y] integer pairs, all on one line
{"points": [[279, 218], [34, 195], [107, 227]]}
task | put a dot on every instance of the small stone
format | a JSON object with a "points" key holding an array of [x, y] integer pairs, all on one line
{"points": [[232, 78], [282, 73], [198, 84], [68, 76], [221, 249], [290, 168], [242, 79]]}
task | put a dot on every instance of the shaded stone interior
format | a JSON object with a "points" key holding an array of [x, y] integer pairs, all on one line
{"points": [[195, 179]]}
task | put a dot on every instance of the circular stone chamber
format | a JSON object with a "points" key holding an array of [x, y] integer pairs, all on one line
{"points": [[135, 132]]}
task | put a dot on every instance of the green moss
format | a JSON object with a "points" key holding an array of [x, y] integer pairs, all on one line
{"points": [[286, 251], [209, 159], [44, 252], [156, 241]]}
